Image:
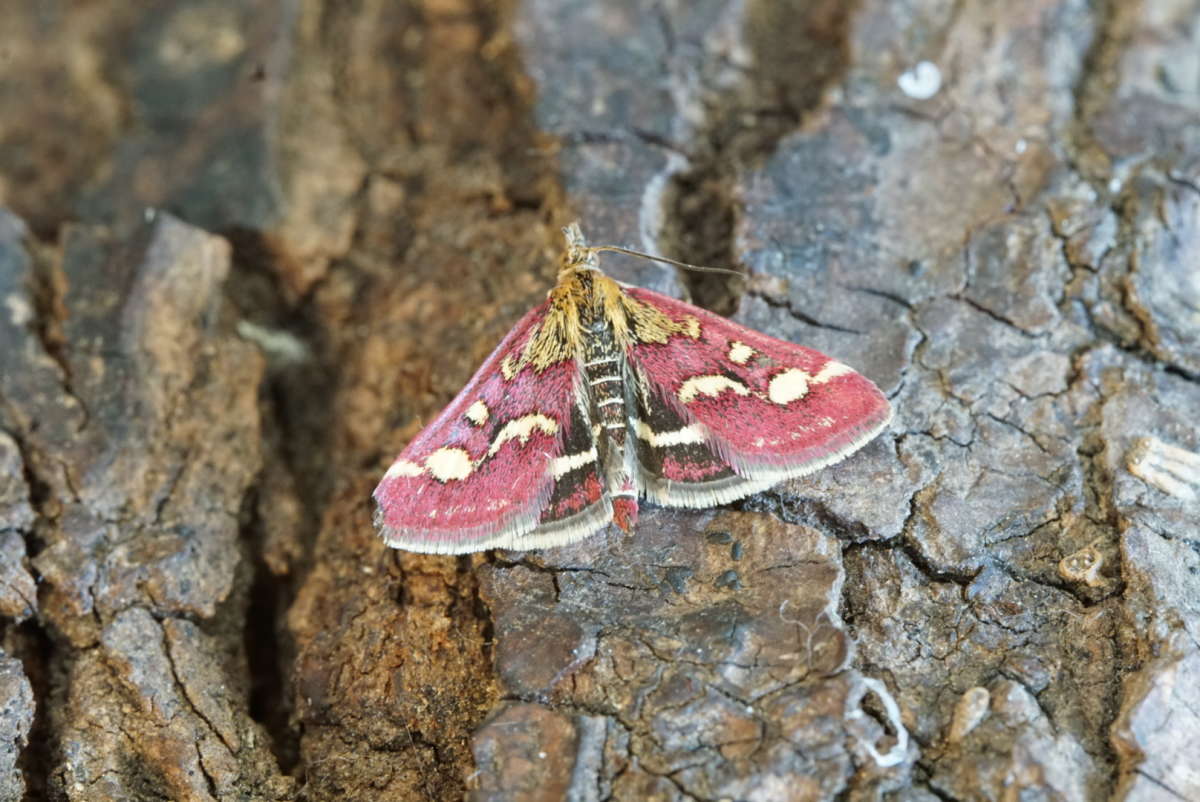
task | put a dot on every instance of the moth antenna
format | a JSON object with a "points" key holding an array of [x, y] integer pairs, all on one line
{"points": [[665, 260]]}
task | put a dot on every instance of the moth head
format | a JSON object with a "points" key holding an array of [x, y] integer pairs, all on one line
{"points": [[578, 256]]}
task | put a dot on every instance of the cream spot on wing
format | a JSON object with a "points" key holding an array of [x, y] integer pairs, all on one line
{"points": [[831, 370], [447, 464], [740, 353], [697, 386], [507, 368], [679, 437], [403, 467], [788, 386], [522, 429], [477, 413], [561, 466]]}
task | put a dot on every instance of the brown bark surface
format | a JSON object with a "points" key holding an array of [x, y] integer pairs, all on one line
{"points": [[247, 249]]}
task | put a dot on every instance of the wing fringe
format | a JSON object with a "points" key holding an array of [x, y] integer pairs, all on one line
{"points": [[522, 532], [751, 478]]}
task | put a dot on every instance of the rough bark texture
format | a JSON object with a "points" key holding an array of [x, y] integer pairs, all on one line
{"points": [[248, 248]]}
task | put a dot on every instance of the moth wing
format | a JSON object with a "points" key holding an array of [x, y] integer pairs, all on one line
{"points": [[490, 472], [578, 503], [732, 411]]}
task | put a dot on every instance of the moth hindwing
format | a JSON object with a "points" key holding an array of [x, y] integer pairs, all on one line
{"points": [[604, 394]]}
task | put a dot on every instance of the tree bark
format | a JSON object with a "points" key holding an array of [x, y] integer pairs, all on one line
{"points": [[247, 250]]}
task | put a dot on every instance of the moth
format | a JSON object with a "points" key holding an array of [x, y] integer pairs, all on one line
{"points": [[606, 394]]}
